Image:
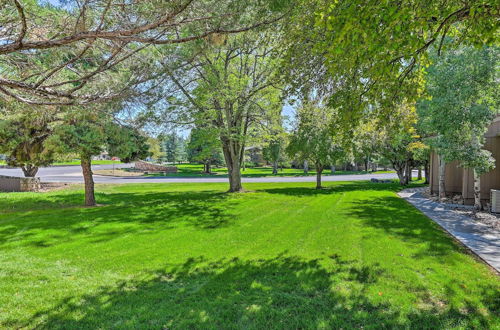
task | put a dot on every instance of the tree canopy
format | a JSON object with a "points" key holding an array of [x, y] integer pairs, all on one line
{"points": [[66, 52]]}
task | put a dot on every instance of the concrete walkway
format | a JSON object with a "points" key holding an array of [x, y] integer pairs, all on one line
{"points": [[481, 239]]}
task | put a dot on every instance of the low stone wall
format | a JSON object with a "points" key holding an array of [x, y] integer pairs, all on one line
{"points": [[148, 167], [13, 183]]}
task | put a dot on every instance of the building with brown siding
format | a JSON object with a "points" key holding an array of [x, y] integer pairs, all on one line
{"points": [[461, 181]]}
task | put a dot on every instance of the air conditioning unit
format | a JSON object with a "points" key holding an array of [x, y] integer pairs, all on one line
{"points": [[495, 201]]}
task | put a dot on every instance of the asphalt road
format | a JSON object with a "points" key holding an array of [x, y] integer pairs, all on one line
{"points": [[74, 174]]}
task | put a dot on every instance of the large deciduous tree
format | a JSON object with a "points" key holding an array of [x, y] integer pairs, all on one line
{"points": [[204, 146], [462, 86], [228, 87], [398, 139], [312, 138]]}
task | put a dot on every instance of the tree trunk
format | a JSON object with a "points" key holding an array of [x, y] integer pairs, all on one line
{"points": [[401, 175], [275, 167], [366, 164], [207, 168], [332, 168], [306, 167], [427, 172], [477, 192], [88, 180], [408, 170], [29, 170], [232, 156], [442, 167], [400, 171], [319, 170], [419, 176]]}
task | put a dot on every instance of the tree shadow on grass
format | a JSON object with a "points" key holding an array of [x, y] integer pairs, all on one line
{"points": [[335, 188], [125, 213], [285, 292], [394, 216]]}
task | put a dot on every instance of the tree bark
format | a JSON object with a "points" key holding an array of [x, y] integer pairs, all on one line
{"points": [[401, 176], [442, 168], [86, 164], [319, 170], [207, 168], [232, 156], [366, 164], [29, 170], [332, 168], [477, 192], [306, 167], [408, 170], [419, 176], [427, 172], [400, 171], [275, 167]]}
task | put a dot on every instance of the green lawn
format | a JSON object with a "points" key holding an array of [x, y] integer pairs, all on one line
{"points": [[195, 170], [191, 256]]}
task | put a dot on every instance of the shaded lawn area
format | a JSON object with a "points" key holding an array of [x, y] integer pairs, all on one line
{"points": [[191, 256], [195, 170]]}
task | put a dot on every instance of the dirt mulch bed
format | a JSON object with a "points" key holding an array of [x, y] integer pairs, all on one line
{"points": [[455, 203], [491, 220], [118, 172]]}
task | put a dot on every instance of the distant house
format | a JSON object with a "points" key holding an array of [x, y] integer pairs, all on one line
{"points": [[461, 181]]}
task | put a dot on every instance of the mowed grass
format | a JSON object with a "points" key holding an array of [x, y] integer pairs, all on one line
{"points": [[195, 170], [192, 256]]}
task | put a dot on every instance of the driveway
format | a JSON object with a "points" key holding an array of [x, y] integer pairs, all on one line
{"points": [[74, 174]]}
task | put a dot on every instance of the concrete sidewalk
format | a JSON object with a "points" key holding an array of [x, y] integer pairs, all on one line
{"points": [[480, 238]]}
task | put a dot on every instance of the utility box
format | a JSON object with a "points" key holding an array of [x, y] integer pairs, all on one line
{"points": [[495, 201]]}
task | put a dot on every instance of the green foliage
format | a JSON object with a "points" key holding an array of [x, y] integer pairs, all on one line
{"points": [[84, 134], [89, 134], [274, 150], [462, 88], [366, 52], [312, 138], [155, 149], [204, 146], [174, 147], [126, 143], [74, 53], [23, 137]]}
